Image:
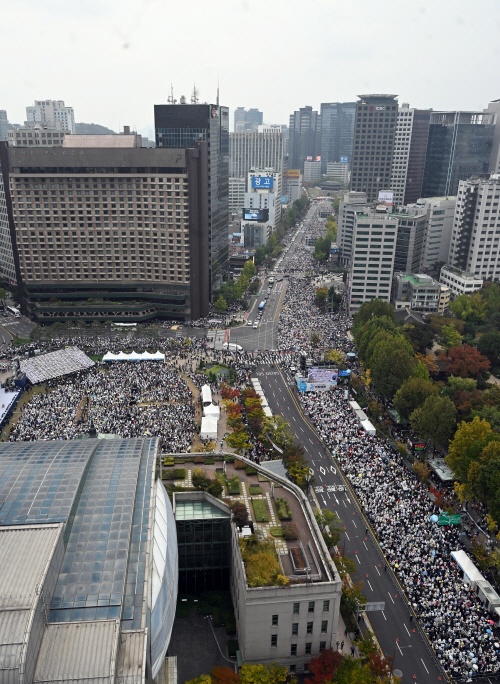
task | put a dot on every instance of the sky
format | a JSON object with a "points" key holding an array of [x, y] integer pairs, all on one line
{"points": [[112, 60]]}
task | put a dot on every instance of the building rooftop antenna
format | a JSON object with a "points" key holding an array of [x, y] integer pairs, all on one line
{"points": [[194, 96], [170, 98]]}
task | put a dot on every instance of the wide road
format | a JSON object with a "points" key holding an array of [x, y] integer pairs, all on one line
{"points": [[396, 634]]}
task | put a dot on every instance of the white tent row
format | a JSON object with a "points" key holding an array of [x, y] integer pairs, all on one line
{"points": [[134, 356], [206, 395], [208, 427]]}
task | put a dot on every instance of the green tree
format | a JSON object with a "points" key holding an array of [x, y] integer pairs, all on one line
{"points": [[329, 524], [466, 435], [315, 339], [489, 345], [435, 419], [259, 256], [412, 394], [457, 384], [335, 357], [391, 364], [420, 336], [469, 307], [249, 269], [374, 308], [265, 674], [335, 205], [220, 304], [352, 671], [278, 430], [491, 294], [320, 296], [450, 337], [322, 249], [489, 413], [238, 441], [202, 679]]}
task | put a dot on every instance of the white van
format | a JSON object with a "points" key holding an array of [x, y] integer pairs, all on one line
{"points": [[229, 346]]}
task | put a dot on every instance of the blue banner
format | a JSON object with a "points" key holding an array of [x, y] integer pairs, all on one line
{"points": [[262, 182], [344, 160]]}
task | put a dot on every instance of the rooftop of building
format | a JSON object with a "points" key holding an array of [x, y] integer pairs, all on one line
{"points": [[276, 512], [417, 278], [117, 140], [467, 275]]}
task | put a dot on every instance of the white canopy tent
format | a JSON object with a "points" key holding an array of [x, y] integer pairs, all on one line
{"points": [[208, 427], [134, 356], [206, 395], [211, 410]]}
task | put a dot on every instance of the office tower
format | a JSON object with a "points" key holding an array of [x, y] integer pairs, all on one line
{"points": [[408, 161], [304, 138], [91, 227], [337, 132], [262, 210], [41, 135], [476, 227], [89, 560], [53, 113], [351, 203], [258, 150], [291, 184], [374, 133], [338, 170], [181, 126], [440, 212], [494, 108], [372, 263], [459, 146], [7, 269], [247, 120], [4, 125], [417, 291], [237, 188], [410, 241], [312, 170]]}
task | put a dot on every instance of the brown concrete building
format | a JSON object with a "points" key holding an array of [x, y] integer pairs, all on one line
{"points": [[109, 233]]}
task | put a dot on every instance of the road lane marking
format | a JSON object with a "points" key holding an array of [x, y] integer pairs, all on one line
{"points": [[377, 570], [407, 631], [365, 546], [424, 666], [390, 596], [383, 614], [354, 524], [399, 648], [369, 585], [357, 558]]}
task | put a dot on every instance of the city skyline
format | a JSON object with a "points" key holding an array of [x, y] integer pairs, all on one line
{"points": [[125, 44]]}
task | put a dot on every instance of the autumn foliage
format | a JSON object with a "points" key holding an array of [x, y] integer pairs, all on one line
{"points": [[324, 666], [464, 361]]}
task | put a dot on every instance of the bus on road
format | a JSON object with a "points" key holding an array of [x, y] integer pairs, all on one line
{"points": [[261, 306], [15, 312]]}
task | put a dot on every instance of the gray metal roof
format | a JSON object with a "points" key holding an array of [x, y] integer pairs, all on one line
{"points": [[83, 652], [131, 666], [12, 629]]}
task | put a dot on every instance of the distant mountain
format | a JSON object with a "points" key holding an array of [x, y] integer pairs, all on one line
{"points": [[92, 129]]}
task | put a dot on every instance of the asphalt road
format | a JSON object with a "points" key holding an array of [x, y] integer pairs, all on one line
{"points": [[396, 634]]}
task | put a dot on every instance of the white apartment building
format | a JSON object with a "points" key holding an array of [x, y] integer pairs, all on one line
{"points": [[54, 113], [401, 153], [459, 281], [312, 171], [338, 170], [440, 212], [264, 192], [39, 135], [372, 263], [237, 188], [352, 202], [475, 240]]}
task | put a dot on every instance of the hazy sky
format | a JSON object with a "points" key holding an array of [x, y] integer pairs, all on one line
{"points": [[112, 60]]}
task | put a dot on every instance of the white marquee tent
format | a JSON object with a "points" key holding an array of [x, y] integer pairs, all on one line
{"points": [[134, 356], [208, 427]]}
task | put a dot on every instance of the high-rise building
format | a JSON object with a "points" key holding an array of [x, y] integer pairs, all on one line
{"points": [[338, 170], [337, 132], [264, 192], [312, 170], [291, 184], [372, 263], [4, 125], [53, 113], [408, 159], [351, 203], [475, 242], [89, 561], [179, 126], [410, 242], [494, 108], [440, 212], [237, 188], [258, 150], [459, 145], [109, 233], [7, 268], [247, 120], [305, 137], [374, 135]]}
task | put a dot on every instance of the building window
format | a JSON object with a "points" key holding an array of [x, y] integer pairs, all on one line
{"points": [[274, 620], [293, 650], [324, 626], [308, 648], [296, 607], [274, 639], [310, 608], [309, 628], [322, 645], [326, 606], [295, 628]]}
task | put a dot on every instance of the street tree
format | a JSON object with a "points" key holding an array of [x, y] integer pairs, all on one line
{"points": [[329, 524], [324, 666], [412, 394], [220, 305], [435, 419], [450, 337], [464, 361]]}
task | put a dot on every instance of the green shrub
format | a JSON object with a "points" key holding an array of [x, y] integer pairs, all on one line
{"points": [[290, 530], [255, 489], [276, 531], [284, 512], [169, 474], [168, 461], [233, 485], [260, 510], [250, 470], [239, 465], [209, 461], [180, 474], [228, 459]]}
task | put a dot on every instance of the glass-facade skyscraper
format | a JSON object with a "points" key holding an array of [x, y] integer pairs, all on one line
{"points": [[183, 125], [459, 145], [337, 132]]}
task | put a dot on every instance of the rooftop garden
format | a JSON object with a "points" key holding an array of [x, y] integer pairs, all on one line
{"points": [[262, 564]]}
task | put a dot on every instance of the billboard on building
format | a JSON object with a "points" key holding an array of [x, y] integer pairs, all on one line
{"points": [[317, 159], [344, 160], [284, 199], [292, 173], [261, 215], [262, 182], [385, 196], [309, 158]]}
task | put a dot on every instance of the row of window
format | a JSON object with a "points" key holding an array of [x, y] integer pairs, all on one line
{"points": [[293, 647]]}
